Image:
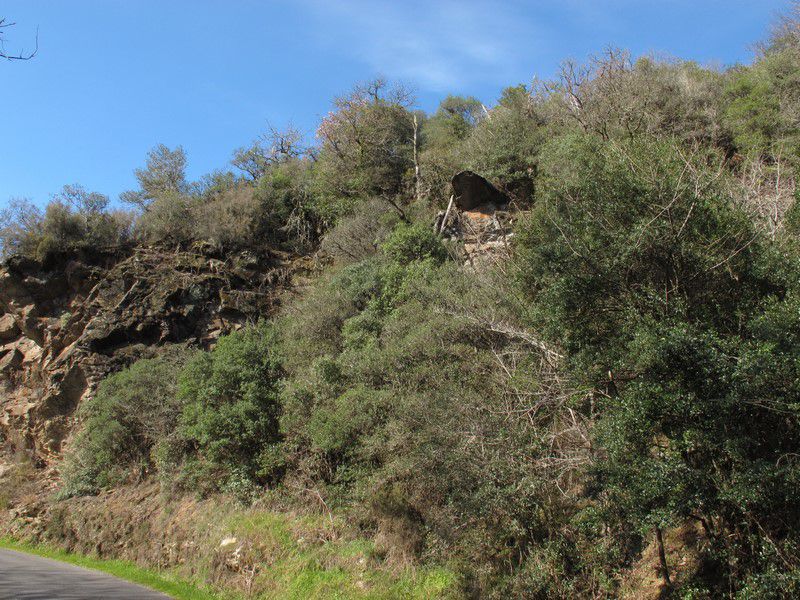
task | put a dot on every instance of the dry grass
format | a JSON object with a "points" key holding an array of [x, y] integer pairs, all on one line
{"points": [[237, 552], [682, 547]]}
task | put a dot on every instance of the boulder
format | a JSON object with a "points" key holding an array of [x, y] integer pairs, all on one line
{"points": [[10, 361], [28, 318], [9, 330]]}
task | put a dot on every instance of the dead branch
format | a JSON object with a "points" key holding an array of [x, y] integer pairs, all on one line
{"points": [[21, 55]]}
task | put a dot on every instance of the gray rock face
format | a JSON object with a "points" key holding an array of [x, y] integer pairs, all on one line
{"points": [[63, 329]]}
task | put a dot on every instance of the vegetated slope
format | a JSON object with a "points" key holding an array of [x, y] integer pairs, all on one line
{"points": [[591, 392]]}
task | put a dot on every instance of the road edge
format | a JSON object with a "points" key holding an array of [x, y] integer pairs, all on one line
{"points": [[178, 589]]}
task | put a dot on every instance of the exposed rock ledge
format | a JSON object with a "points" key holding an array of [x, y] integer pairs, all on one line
{"points": [[65, 326]]}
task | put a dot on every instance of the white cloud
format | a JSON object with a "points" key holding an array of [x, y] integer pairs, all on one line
{"points": [[436, 45]]}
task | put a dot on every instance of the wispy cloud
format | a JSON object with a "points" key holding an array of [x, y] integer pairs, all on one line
{"points": [[438, 45]]}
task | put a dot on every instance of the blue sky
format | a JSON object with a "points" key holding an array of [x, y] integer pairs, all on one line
{"points": [[115, 77]]}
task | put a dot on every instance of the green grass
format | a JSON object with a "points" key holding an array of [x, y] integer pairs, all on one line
{"points": [[298, 557], [118, 568], [301, 567]]}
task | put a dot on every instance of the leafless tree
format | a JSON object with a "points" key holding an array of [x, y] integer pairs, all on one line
{"points": [[767, 189], [785, 31], [21, 55], [271, 147]]}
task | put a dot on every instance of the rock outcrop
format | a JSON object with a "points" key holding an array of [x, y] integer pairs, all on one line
{"points": [[471, 191], [65, 326], [479, 217]]}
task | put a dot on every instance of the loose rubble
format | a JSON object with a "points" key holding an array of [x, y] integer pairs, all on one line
{"points": [[479, 219]]}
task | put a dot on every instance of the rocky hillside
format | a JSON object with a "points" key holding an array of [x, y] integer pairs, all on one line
{"points": [[69, 323], [551, 351]]}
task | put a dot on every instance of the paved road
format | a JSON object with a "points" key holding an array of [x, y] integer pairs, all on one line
{"points": [[28, 577]]}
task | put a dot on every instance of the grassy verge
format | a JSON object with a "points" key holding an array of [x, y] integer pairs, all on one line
{"points": [[118, 568], [307, 559], [247, 552]]}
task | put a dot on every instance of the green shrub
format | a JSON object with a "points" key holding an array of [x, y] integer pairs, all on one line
{"points": [[132, 413], [358, 236], [408, 243], [230, 406], [668, 304], [399, 416], [759, 103], [289, 214], [602, 239], [335, 428], [168, 219]]}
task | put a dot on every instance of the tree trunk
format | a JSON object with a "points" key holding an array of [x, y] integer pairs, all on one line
{"points": [[417, 181], [662, 557], [446, 215]]}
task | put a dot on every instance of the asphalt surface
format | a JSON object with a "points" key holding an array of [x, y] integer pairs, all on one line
{"points": [[24, 577]]}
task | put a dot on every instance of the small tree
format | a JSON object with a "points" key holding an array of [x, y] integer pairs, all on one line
{"points": [[644, 269], [164, 175], [228, 428], [133, 412], [76, 196], [367, 147], [453, 121], [505, 145], [20, 227], [270, 148]]}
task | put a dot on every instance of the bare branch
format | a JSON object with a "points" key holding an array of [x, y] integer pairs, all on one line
{"points": [[22, 55]]}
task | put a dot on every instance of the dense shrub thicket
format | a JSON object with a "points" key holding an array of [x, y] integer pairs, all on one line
{"points": [[631, 372], [228, 428], [73, 221], [207, 421], [132, 413]]}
